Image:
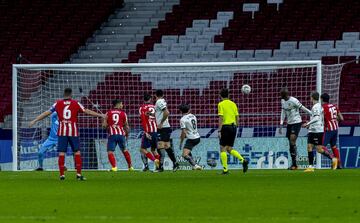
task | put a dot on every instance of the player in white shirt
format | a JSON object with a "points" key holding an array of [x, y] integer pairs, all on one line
{"points": [[290, 110], [164, 131], [316, 132], [188, 125]]}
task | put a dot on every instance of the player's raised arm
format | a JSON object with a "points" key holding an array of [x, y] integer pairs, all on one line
{"points": [[39, 118], [92, 113]]}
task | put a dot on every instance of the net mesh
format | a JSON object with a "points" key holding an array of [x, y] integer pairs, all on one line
{"points": [[199, 86]]}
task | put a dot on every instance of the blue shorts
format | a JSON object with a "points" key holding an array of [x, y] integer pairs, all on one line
{"points": [[48, 144], [149, 143], [115, 140], [330, 137], [64, 141]]}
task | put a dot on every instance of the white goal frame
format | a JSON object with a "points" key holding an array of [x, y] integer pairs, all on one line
{"points": [[15, 68]]}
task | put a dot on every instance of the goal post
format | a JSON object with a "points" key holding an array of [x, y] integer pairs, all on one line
{"points": [[37, 86]]}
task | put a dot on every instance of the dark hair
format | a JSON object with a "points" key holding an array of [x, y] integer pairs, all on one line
{"points": [[67, 92], [147, 96], [159, 93], [184, 108], [224, 93], [115, 102], [325, 97], [315, 95]]}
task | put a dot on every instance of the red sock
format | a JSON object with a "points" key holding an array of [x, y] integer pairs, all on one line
{"points": [[112, 159], [61, 162], [78, 163], [128, 158], [157, 157], [150, 156], [336, 152]]}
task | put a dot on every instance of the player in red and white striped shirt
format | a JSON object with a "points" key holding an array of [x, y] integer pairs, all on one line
{"points": [[149, 138], [332, 116], [68, 132], [118, 128]]}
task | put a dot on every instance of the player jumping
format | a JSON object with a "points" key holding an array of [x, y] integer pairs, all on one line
{"points": [[316, 132], [149, 138], [117, 124], [164, 130], [228, 121], [188, 125], [290, 110], [68, 132], [332, 116]]}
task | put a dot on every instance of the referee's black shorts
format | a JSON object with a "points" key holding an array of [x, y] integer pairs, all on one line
{"points": [[228, 135]]}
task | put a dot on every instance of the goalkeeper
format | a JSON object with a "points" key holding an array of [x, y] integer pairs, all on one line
{"points": [[50, 142]]}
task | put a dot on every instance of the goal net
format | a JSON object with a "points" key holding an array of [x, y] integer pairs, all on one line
{"points": [[37, 87]]}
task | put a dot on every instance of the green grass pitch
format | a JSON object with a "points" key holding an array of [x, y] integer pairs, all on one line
{"points": [[184, 196]]}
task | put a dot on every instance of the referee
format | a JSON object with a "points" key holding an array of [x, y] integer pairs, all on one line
{"points": [[228, 120]]}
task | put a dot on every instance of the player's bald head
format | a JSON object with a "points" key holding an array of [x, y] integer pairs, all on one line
{"points": [[284, 92], [67, 92]]}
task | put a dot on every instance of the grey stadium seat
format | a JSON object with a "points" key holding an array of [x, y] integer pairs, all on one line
{"points": [[288, 45], [153, 55], [355, 44], [200, 23], [203, 39], [193, 31], [172, 55], [178, 47], [335, 52], [350, 36], [227, 54], [299, 53], [197, 47], [263, 53], [343, 44], [161, 47], [189, 54], [219, 24], [245, 54], [317, 53], [186, 39], [326, 44], [352, 52], [169, 39], [215, 46], [207, 55], [210, 31], [307, 45], [281, 53]]}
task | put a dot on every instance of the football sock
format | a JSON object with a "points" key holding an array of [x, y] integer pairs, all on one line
{"points": [[144, 159], [112, 159], [162, 157], [237, 155], [127, 157], [171, 154], [327, 153], [78, 163], [311, 158], [293, 154], [336, 152], [41, 160], [61, 162], [190, 160], [223, 157], [150, 156]]}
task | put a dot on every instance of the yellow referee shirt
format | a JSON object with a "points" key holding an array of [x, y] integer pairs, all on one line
{"points": [[228, 110]]}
